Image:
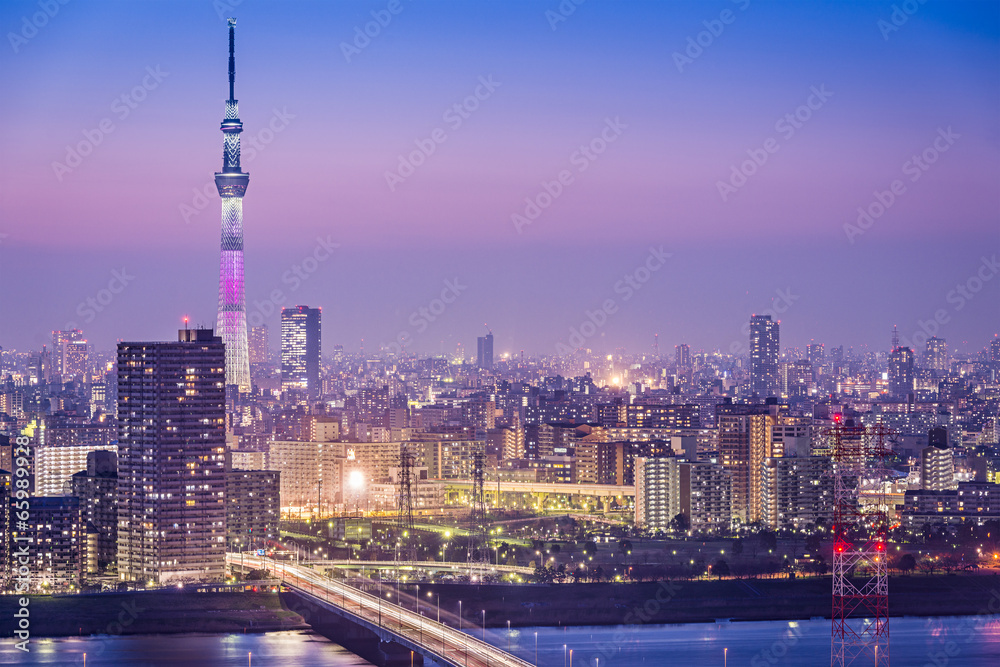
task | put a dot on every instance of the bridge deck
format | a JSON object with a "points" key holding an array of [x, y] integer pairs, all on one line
{"points": [[389, 621]]}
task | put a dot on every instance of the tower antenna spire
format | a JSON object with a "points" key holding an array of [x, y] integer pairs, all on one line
{"points": [[232, 59]]}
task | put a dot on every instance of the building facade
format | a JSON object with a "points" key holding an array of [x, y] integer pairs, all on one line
{"points": [[171, 457]]}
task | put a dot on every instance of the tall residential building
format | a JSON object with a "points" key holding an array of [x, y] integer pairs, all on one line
{"points": [[937, 465], [97, 489], [259, 354], [764, 347], [936, 355], [901, 373], [668, 486], [55, 527], [484, 349], [301, 349], [232, 185], [682, 356], [171, 455], [252, 507], [745, 439], [796, 491]]}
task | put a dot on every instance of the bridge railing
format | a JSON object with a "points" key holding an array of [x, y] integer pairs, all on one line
{"points": [[437, 638]]}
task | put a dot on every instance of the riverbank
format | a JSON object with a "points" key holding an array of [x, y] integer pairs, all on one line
{"points": [[180, 611], [682, 601], [154, 612]]}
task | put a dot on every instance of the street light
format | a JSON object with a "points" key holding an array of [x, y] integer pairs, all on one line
{"points": [[484, 625]]}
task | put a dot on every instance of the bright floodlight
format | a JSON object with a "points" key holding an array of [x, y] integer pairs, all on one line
{"points": [[356, 480]]}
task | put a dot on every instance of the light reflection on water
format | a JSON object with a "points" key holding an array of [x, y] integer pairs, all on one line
{"points": [[932, 642]]}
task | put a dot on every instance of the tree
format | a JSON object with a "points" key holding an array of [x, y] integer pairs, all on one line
{"points": [[738, 546], [721, 568], [814, 542], [625, 546], [906, 563], [590, 548], [680, 523]]}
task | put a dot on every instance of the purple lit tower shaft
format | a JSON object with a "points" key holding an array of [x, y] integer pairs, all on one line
{"points": [[232, 185]]}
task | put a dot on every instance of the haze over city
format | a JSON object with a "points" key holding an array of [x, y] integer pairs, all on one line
{"points": [[330, 119]]}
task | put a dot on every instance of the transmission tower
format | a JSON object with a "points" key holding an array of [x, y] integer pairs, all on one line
{"points": [[404, 506], [860, 633], [479, 543]]}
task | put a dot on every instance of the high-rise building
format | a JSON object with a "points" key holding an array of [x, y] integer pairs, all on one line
{"points": [[764, 347], [682, 356], [901, 373], [97, 489], [252, 507], [232, 185], [259, 354], [484, 349], [171, 455], [61, 340], [937, 465], [745, 440], [816, 354], [668, 486], [301, 349], [995, 350], [936, 355], [796, 491]]}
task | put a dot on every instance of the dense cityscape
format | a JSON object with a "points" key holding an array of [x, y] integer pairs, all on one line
{"points": [[273, 486]]}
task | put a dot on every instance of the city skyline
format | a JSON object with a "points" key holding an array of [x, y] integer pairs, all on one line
{"points": [[672, 131]]}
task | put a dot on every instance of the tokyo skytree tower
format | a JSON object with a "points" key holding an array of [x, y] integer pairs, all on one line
{"points": [[232, 185]]}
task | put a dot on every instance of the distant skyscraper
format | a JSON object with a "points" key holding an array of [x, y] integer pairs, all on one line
{"points": [[995, 350], [171, 459], [816, 354], [259, 354], [763, 356], [901, 373], [60, 342], [301, 349], [76, 360], [936, 355], [232, 185], [682, 356], [484, 358]]}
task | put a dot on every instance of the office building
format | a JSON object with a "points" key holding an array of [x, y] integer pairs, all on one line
{"points": [[484, 349], [301, 350], [936, 355], [901, 373], [171, 456], [259, 352], [764, 348]]}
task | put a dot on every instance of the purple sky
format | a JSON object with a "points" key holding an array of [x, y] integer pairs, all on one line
{"points": [[886, 97]]}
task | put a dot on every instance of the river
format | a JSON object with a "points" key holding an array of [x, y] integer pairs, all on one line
{"points": [[916, 642]]}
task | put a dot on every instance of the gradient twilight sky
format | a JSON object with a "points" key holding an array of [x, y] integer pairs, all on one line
{"points": [[131, 205]]}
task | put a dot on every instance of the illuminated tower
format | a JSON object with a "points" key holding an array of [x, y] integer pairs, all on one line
{"points": [[763, 356], [232, 185]]}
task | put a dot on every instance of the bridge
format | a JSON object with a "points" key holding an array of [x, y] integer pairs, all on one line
{"points": [[429, 566], [385, 620]]}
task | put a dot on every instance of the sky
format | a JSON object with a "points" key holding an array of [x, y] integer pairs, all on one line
{"points": [[651, 168]]}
